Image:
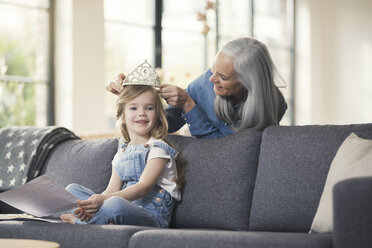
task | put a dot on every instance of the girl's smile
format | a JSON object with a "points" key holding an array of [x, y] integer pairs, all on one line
{"points": [[142, 121]]}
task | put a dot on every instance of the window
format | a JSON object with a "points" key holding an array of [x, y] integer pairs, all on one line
{"points": [[184, 45], [273, 24], [24, 63], [129, 34], [232, 25], [129, 40]]}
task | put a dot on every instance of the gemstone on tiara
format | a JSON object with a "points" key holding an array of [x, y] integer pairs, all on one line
{"points": [[144, 74]]}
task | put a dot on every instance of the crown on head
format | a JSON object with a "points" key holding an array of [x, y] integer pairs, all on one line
{"points": [[144, 74]]}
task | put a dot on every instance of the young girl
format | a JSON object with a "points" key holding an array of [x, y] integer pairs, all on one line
{"points": [[143, 185]]}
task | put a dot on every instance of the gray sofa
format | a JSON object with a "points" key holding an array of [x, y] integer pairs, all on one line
{"points": [[252, 189]]}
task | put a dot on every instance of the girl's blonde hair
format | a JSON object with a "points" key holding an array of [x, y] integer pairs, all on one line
{"points": [[129, 93]]}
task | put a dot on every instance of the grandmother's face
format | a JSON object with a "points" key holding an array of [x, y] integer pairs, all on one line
{"points": [[224, 79]]}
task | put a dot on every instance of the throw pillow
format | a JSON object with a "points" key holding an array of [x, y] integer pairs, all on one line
{"points": [[353, 159]]}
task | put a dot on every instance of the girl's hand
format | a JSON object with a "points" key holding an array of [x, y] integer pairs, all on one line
{"points": [[93, 204], [81, 214], [116, 87], [176, 97]]}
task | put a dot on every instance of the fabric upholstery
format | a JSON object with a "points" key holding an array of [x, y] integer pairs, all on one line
{"points": [[353, 213], [70, 236], [293, 166], [86, 162], [227, 239], [219, 180]]}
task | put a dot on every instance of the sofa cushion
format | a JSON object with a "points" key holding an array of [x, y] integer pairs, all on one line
{"points": [[86, 162], [226, 239], [71, 236], [219, 180], [353, 159], [293, 166]]}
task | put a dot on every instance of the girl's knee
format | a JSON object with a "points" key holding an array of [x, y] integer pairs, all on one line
{"points": [[115, 201], [72, 187], [115, 204], [79, 191]]}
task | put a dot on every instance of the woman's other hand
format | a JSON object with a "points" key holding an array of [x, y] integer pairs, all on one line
{"points": [[116, 86], [176, 97]]}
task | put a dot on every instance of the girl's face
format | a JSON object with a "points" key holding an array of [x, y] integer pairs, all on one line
{"points": [[224, 79], [140, 116]]}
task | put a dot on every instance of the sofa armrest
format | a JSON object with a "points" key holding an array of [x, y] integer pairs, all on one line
{"points": [[352, 207]]}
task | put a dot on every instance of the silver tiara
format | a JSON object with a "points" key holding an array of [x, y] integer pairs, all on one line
{"points": [[144, 74]]}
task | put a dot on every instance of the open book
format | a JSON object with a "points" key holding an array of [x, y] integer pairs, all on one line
{"points": [[22, 217], [40, 197]]}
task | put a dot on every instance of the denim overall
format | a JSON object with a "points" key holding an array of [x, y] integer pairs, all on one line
{"points": [[154, 209]]}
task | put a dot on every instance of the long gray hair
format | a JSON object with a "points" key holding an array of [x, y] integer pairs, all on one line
{"points": [[256, 72]]}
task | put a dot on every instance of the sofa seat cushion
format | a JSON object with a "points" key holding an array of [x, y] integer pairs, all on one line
{"points": [[227, 239], [71, 236], [293, 166], [86, 162], [219, 180]]}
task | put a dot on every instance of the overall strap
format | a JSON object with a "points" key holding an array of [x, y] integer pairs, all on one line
{"points": [[125, 144], [170, 150]]}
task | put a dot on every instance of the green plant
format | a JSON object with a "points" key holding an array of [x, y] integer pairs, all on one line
{"points": [[17, 104]]}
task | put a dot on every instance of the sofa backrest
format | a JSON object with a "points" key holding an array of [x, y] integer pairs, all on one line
{"points": [[86, 162], [293, 167], [219, 175], [219, 180]]}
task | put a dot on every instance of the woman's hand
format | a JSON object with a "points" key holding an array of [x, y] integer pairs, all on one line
{"points": [[116, 87], [93, 204], [177, 97]]}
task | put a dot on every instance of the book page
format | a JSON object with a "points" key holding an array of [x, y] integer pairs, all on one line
{"points": [[40, 197], [23, 217]]}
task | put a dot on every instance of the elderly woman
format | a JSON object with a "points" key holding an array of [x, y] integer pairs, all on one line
{"points": [[236, 94]]}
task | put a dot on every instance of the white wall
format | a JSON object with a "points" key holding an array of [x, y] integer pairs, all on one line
{"points": [[79, 66], [333, 61]]}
